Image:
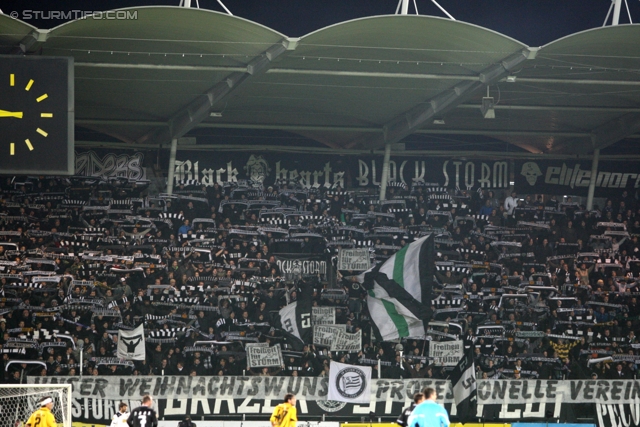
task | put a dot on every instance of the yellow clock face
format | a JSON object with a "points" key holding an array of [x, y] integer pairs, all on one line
{"points": [[26, 88], [36, 115]]}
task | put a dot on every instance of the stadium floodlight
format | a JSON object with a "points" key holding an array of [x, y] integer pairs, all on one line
{"points": [[487, 108]]}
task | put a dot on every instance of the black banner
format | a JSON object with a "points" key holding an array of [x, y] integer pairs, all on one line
{"points": [[449, 173], [331, 171], [110, 165], [618, 415], [572, 177], [294, 266]]}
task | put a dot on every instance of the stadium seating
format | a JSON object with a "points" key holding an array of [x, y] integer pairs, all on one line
{"points": [[547, 292]]}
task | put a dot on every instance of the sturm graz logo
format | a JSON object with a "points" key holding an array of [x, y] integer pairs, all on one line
{"points": [[330, 405], [351, 383]]}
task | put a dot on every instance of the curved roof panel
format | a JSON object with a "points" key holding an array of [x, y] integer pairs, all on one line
{"points": [[162, 35], [583, 83], [409, 40], [605, 42], [12, 32], [342, 84], [370, 70], [153, 61], [596, 53]]}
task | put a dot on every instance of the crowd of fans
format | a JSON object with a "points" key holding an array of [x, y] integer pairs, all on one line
{"points": [[539, 287]]}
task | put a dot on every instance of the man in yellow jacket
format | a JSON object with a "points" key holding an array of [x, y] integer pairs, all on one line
{"points": [[43, 416], [285, 414]]}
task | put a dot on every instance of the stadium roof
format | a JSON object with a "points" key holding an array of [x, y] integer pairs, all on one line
{"points": [[159, 72]]}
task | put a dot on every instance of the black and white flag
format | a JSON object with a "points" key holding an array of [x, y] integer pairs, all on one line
{"points": [[463, 381], [295, 319], [131, 344]]}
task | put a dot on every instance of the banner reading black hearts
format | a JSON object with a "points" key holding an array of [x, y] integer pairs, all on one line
{"points": [[345, 171]]}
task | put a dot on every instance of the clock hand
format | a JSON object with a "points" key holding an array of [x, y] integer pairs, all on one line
{"points": [[16, 114]]}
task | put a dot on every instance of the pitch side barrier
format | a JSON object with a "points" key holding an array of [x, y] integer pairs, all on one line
{"points": [[473, 425], [607, 403]]}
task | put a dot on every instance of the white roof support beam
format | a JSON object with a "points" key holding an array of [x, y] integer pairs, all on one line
{"points": [[199, 109], [293, 71], [420, 115]]}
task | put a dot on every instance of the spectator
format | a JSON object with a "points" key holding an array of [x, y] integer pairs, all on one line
{"points": [[510, 203], [230, 283]]}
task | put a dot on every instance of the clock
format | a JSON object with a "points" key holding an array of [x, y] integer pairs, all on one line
{"points": [[36, 115]]}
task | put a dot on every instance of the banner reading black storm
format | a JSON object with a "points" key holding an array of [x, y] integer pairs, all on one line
{"points": [[293, 266], [572, 177], [332, 171], [609, 403]]}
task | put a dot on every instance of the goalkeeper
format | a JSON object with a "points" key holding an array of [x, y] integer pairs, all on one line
{"points": [[43, 416]]}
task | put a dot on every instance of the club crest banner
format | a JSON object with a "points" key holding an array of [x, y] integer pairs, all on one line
{"points": [[349, 383]]}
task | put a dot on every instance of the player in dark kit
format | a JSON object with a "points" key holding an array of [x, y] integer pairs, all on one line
{"points": [[143, 416], [406, 412]]}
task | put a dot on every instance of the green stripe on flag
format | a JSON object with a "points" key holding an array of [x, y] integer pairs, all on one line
{"points": [[398, 319], [398, 266]]}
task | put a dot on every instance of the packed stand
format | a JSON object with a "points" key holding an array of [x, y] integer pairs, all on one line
{"points": [[540, 288]]}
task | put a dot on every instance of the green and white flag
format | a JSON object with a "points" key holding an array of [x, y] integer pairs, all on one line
{"points": [[399, 291]]}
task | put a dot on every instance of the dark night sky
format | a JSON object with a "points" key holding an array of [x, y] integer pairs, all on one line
{"points": [[533, 22]]}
